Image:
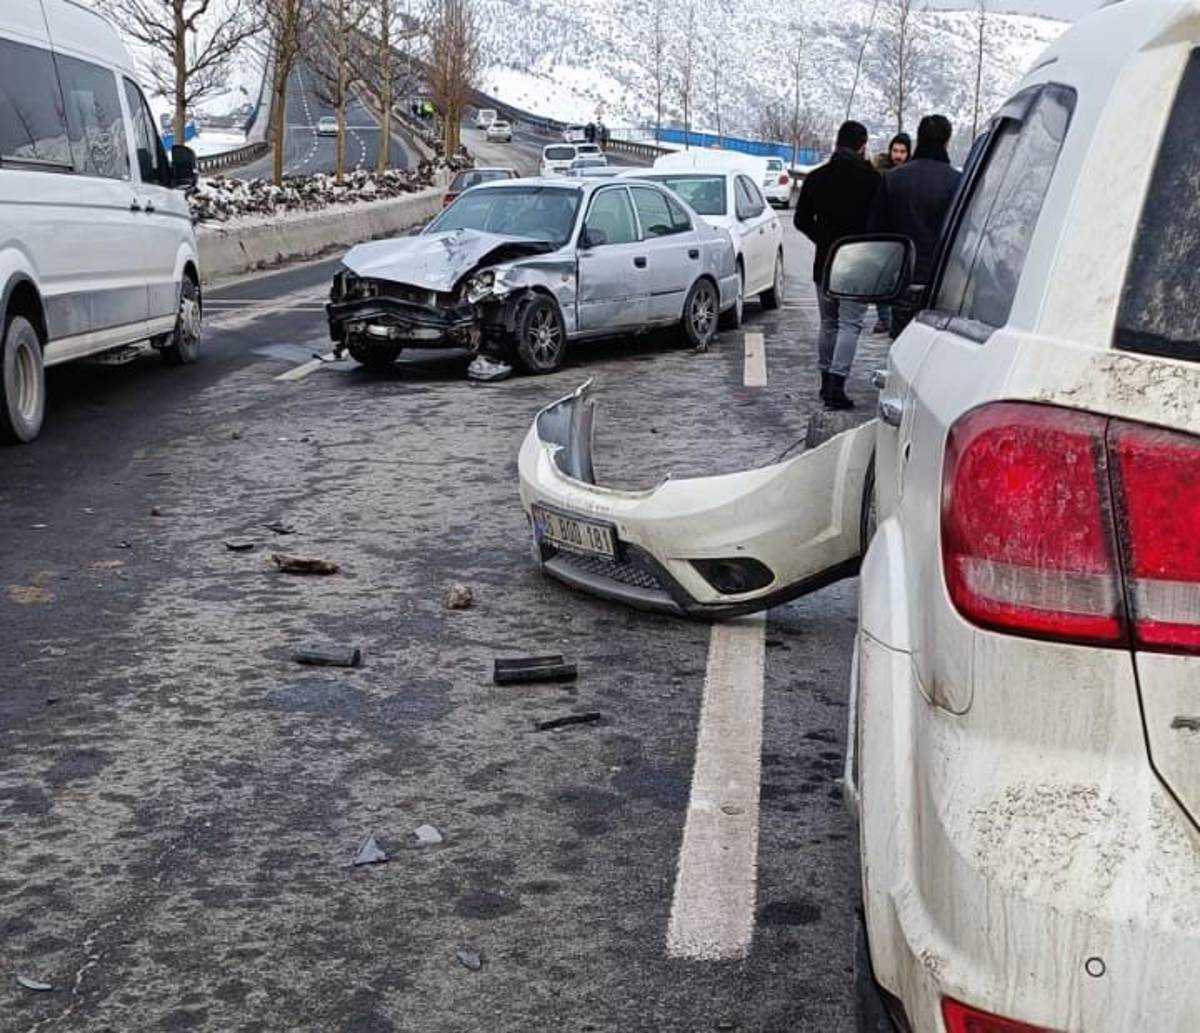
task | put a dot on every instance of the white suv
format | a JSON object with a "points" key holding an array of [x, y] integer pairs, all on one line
{"points": [[97, 250], [1024, 753]]}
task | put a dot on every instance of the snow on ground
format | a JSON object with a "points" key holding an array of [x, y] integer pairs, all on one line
{"points": [[216, 141], [567, 95]]}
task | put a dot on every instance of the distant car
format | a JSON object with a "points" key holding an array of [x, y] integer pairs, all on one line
{"points": [[730, 200], [327, 126], [500, 132], [777, 183], [585, 163], [588, 148], [557, 158], [485, 117], [574, 134], [522, 269], [472, 178]]}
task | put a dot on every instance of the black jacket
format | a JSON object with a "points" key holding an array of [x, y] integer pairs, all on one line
{"points": [[913, 201], [835, 202]]}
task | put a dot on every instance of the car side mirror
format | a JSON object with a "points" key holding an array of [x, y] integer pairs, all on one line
{"points": [[875, 269], [183, 167], [592, 237]]}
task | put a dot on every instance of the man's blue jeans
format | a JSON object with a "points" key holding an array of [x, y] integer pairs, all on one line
{"points": [[841, 325]]}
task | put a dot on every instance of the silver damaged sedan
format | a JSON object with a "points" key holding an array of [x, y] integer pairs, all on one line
{"points": [[517, 269]]}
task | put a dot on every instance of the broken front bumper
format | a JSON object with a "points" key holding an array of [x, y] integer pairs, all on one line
{"points": [[383, 320]]}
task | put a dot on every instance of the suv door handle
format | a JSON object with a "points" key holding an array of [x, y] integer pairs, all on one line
{"points": [[640, 261], [693, 252], [891, 411]]}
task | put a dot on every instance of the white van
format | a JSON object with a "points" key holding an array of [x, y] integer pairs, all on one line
{"points": [[97, 250], [485, 117], [557, 158]]}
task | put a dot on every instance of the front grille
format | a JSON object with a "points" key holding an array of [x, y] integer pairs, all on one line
{"points": [[624, 572]]}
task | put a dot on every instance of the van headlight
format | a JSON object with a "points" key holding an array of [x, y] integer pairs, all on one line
{"points": [[480, 286]]}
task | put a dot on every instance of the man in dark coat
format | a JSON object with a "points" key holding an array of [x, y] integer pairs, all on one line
{"points": [[835, 202], [914, 200]]}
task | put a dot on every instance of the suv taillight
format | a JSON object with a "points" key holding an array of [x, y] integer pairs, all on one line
{"points": [[961, 1019], [783, 179], [1027, 529], [1064, 525]]}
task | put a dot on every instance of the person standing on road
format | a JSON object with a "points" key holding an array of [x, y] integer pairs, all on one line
{"points": [[897, 154], [835, 202], [914, 200]]}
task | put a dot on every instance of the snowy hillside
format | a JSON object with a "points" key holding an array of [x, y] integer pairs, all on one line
{"points": [[591, 58]]}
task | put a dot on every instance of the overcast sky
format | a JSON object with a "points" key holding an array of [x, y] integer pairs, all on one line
{"points": [[1068, 9]]}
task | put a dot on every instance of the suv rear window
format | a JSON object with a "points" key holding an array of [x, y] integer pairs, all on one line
{"points": [[1159, 313], [560, 153]]}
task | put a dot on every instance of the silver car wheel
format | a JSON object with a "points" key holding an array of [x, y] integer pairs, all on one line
{"points": [[703, 310], [544, 335]]}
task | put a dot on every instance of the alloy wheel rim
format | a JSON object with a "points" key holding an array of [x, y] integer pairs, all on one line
{"points": [[544, 335], [26, 380], [189, 321], [702, 310]]}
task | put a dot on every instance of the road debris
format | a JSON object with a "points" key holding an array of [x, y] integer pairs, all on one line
{"points": [[279, 527], [292, 564], [428, 835], [30, 595], [524, 670], [370, 852], [488, 370], [34, 984], [469, 958], [320, 654], [240, 544], [591, 717], [458, 597], [1189, 724]]}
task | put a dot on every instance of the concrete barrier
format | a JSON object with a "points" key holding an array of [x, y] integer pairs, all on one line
{"points": [[233, 249]]}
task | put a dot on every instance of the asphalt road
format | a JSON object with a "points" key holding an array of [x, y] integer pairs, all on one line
{"points": [[306, 153], [180, 801]]}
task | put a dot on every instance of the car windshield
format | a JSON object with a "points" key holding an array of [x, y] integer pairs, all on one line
{"points": [[539, 213], [704, 194], [559, 153], [473, 177]]}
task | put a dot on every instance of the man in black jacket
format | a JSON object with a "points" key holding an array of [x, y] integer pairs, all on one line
{"points": [[835, 202], [914, 200]]}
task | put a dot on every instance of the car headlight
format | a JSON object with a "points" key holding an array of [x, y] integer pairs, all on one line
{"points": [[480, 286]]}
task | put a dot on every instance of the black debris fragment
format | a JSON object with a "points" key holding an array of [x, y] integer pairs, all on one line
{"points": [[319, 654], [240, 544], [279, 527], [527, 669], [591, 717], [469, 958], [370, 852], [291, 564]]}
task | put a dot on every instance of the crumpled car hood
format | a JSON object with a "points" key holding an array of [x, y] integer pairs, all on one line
{"points": [[437, 261]]}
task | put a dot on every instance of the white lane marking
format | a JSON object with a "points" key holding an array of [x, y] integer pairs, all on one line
{"points": [[755, 374], [712, 913], [303, 370]]}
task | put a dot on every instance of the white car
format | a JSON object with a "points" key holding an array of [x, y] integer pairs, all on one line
{"points": [[1024, 721], [777, 183], [731, 200], [327, 126], [574, 134], [484, 117], [499, 132], [97, 251], [557, 159]]}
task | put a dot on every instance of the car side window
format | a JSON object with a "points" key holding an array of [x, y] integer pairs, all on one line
{"points": [[94, 119], [33, 128], [680, 219], [612, 214], [985, 263], [151, 157], [653, 212], [747, 206]]}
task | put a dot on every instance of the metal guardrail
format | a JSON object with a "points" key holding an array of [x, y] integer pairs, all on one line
{"points": [[238, 156], [635, 149]]}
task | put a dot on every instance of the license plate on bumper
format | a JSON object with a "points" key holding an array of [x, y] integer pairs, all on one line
{"points": [[573, 533]]}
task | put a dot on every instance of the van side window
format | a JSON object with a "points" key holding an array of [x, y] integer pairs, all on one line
{"points": [[1158, 313], [988, 254], [152, 159], [94, 118], [33, 129]]}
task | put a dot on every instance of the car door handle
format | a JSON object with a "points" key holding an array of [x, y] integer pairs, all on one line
{"points": [[694, 252], [891, 411], [640, 261]]}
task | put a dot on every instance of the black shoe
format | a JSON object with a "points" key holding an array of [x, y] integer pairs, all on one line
{"points": [[824, 386], [835, 397]]}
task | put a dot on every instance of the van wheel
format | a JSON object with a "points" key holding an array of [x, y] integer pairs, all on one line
{"points": [[541, 336], [700, 315], [22, 383], [732, 319], [182, 345], [773, 298]]}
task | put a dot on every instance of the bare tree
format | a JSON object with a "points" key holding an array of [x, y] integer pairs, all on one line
{"points": [[286, 21], [387, 18], [454, 58], [337, 58], [196, 41], [796, 66], [716, 87], [899, 43], [686, 75], [657, 66], [981, 28], [862, 53]]}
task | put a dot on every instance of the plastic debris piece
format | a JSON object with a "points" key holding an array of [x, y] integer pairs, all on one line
{"points": [[279, 527], [591, 717], [458, 597], [370, 852], [469, 958], [240, 544], [318, 654], [533, 669], [34, 984], [291, 564], [488, 370], [428, 835]]}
